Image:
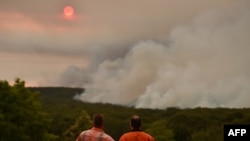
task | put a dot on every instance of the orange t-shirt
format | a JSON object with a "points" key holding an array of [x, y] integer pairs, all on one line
{"points": [[136, 136]]}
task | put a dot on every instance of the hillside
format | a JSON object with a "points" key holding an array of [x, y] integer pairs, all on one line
{"points": [[173, 123]]}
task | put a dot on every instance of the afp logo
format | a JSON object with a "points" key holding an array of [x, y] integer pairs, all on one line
{"points": [[237, 132]]}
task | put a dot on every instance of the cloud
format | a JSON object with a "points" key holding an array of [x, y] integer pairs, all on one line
{"points": [[203, 63]]}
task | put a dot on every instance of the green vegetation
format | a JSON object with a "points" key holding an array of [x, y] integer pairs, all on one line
{"points": [[83, 122], [21, 116], [68, 117]]}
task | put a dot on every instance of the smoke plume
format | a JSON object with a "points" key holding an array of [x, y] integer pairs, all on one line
{"points": [[204, 63]]}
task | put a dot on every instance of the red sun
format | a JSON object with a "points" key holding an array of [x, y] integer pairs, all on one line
{"points": [[68, 11]]}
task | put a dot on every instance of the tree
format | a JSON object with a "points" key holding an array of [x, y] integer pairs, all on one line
{"points": [[83, 122], [179, 123], [160, 131], [21, 114]]}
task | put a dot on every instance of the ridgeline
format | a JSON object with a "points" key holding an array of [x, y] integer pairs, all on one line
{"points": [[172, 124]]}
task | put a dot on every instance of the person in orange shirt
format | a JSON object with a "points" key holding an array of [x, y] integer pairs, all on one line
{"points": [[96, 133], [136, 134]]}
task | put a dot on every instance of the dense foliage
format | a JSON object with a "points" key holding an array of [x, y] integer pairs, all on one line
{"points": [[171, 124], [83, 122], [21, 114], [26, 113]]}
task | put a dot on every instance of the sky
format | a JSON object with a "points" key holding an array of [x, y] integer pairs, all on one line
{"points": [[144, 53]]}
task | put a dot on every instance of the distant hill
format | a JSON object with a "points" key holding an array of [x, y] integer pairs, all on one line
{"points": [[57, 92], [173, 123]]}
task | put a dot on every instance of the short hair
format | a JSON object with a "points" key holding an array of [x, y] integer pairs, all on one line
{"points": [[135, 122], [98, 120]]}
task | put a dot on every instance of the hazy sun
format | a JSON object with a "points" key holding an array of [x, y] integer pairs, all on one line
{"points": [[68, 11]]}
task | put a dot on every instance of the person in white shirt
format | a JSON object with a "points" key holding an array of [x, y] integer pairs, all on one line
{"points": [[96, 133]]}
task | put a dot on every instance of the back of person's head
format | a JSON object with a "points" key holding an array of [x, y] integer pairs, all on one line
{"points": [[135, 122], [98, 121]]}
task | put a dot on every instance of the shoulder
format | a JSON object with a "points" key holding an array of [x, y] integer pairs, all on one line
{"points": [[107, 137], [125, 136], [148, 136], [83, 133], [80, 136]]}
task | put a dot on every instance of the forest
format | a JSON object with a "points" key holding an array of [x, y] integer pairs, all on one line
{"points": [[51, 114]]}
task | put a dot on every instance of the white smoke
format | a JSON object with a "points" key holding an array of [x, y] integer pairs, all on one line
{"points": [[205, 63]]}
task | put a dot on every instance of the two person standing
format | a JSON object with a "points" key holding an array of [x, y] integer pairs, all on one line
{"points": [[96, 133]]}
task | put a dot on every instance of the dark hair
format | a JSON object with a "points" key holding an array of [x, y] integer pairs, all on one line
{"points": [[135, 122], [98, 120]]}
